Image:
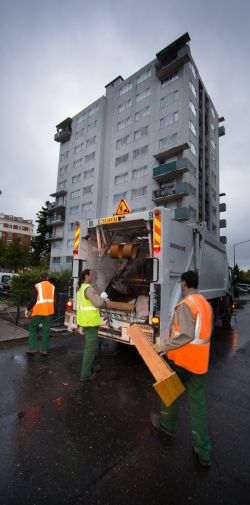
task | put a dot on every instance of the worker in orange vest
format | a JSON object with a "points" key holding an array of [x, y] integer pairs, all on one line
{"points": [[187, 351], [41, 309]]}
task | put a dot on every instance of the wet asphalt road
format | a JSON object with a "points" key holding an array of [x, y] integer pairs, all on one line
{"points": [[66, 443]]}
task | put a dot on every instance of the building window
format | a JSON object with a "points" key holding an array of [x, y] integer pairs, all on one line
{"points": [[124, 106], [124, 141], [125, 88], [192, 128], [213, 143], [93, 109], [88, 173], [142, 113], [170, 78], [166, 100], [139, 209], [123, 124], [79, 133], [81, 118], [119, 179], [62, 184], [86, 207], [63, 170], [69, 259], [56, 259], [136, 193], [70, 243], [192, 213], [76, 178], [169, 119], [212, 127], [74, 210], [168, 141], [140, 172], [90, 141], [213, 177], [192, 88], [77, 163], [141, 78], [121, 159], [71, 226], [142, 151], [64, 156], [89, 157], [79, 148], [142, 132], [87, 189], [213, 113], [75, 194], [192, 107], [192, 69], [92, 125], [142, 95], [193, 148], [118, 196]]}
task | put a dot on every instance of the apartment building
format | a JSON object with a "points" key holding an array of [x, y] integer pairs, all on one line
{"points": [[12, 227], [153, 139]]}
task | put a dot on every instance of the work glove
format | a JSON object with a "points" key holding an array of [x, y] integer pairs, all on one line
{"points": [[104, 296], [27, 313], [159, 348]]}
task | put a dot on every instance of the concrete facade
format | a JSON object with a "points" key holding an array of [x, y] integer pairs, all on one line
{"points": [[153, 139]]}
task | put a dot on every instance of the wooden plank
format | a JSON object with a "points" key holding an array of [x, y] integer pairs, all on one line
{"points": [[168, 385], [120, 305]]}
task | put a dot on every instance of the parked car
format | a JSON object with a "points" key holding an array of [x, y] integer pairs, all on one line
{"points": [[5, 280]]}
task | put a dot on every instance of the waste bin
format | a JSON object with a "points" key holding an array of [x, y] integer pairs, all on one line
{"points": [[60, 307]]}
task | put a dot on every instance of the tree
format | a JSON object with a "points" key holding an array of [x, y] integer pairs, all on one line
{"points": [[17, 254], [2, 252], [40, 245]]}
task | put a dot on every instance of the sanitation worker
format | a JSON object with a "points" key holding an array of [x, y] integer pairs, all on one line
{"points": [[88, 317], [187, 351], [41, 310]]}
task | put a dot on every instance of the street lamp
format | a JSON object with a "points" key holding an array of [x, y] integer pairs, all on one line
{"points": [[238, 243]]}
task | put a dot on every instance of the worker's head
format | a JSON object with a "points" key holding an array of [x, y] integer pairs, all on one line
{"points": [[189, 280], [86, 276], [44, 276]]}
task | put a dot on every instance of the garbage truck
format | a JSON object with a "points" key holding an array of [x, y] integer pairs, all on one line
{"points": [[138, 258]]}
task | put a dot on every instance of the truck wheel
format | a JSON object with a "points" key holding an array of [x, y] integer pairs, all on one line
{"points": [[228, 312]]}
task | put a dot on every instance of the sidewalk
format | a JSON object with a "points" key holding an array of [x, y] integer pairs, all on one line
{"points": [[10, 332]]}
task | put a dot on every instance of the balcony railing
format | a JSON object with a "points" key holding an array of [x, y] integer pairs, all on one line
{"points": [[182, 214], [171, 194], [167, 171], [54, 236], [164, 68]]}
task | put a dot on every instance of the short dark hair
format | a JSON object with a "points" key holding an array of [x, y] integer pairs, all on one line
{"points": [[191, 279], [44, 276], [82, 277]]}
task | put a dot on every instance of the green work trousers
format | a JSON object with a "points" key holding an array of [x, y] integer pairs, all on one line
{"points": [[91, 336], [33, 338], [194, 385]]}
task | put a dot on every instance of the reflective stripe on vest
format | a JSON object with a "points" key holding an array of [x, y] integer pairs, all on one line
{"points": [[87, 314], [198, 340], [44, 305]]}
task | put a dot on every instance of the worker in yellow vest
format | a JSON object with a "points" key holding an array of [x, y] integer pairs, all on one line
{"points": [[41, 310], [187, 350], [88, 317]]}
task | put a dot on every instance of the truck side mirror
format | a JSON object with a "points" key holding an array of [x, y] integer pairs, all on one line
{"points": [[150, 269]]}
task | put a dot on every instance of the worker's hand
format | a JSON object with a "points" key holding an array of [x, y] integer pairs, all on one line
{"points": [[104, 296], [27, 313]]}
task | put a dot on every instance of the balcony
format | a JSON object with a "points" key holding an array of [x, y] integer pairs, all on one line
{"points": [[173, 151], [58, 205], [171, 194], [171, 58], [222, 131], [223, 223], [163, 173], [182, 214], [223, 240], [63, 131], [222, 207], [54, 236], [56, 220], [60, 192]]}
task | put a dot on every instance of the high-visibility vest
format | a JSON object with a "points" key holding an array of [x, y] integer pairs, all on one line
{"points": [[45, 299], [86, 314], [195, 355]]}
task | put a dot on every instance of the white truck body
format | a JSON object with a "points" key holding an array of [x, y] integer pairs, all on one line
{"points": [[166, 251]]}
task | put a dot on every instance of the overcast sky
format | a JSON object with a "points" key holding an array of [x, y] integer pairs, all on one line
{"points": [[57, 56]]}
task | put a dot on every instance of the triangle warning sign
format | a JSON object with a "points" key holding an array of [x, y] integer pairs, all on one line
{"points": [[122, 208]]}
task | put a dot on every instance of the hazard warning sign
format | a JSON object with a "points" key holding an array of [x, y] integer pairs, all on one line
{"points": [[122, 208]]}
